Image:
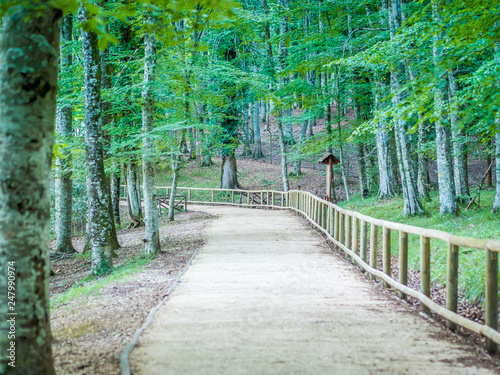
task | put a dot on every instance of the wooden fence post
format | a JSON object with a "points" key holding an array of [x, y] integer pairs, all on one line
{"points": [[341, 228], [336, 225], [386, 253], [452, 283], [491, 297], [348, 235], [425, 269], [355, 235], [373, 248], [403, 260], [364, 237]]}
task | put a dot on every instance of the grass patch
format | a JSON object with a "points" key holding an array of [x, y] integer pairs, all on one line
{"points": [[92, 285], [478, 222]]}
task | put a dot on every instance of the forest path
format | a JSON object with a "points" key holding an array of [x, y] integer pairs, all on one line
{"points": [[265, 295]]}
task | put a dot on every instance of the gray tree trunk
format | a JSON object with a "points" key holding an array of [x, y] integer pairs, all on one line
{"points": [[133, 195], [229, 173], [423, 166], [412, 203], [339, 129], [64, 180], [257, 140], [447, 198], [284, 168], [173, 191], [115, 191], [152, 230], [28, 91], [458, 143], [496, 203], [99, 223]]}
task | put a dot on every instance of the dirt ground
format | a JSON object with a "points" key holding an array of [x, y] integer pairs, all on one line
{"points": [[91, 331], [265, 295]]}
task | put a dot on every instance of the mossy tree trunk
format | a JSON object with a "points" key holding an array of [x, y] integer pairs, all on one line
{"points": [[64, 180], [99, 221], [28, 91], [152, 231]]}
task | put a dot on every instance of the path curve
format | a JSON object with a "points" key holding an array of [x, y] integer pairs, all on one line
{"points": [[266, 296]]}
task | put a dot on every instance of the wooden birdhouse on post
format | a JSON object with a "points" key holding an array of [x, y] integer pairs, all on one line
{"points": [[329, 160]]}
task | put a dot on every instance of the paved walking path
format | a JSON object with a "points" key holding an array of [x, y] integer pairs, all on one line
{"points": [[266, 296]]}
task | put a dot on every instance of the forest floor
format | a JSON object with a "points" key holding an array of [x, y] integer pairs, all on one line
{"points": [[266, 295], [93, 319]]}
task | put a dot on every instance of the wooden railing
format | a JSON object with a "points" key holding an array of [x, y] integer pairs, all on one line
{"points": [[348, 230]]}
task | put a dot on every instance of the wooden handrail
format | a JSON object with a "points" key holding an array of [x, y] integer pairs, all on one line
{"points": [[348, 230]]}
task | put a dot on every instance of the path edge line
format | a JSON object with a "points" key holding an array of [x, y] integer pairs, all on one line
{"points": [[124, 356]]}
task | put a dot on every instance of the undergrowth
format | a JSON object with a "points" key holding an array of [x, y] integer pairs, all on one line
{"points": [[92, 285]]}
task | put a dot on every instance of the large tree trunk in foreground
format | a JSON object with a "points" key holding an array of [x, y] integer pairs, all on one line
{"points": [[28, 91], [229, 173], [152, 231], [64, 180], [100, 226]]}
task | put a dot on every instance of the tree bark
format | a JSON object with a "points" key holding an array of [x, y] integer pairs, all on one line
{"points": [[99, 223], [115, 191], [64, 180], [412, 203], [458, 143], [133, 195], [29, 49], [284, 168], [152, 229], [229, 173], [257, 140], [447, 198]]}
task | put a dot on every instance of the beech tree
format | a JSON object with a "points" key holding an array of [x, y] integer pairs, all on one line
{"points": [[27, 115]]}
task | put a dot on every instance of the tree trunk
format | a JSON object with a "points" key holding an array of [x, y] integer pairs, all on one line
{"points": [[488, 181], [339, 129], [173, 191], [152, 230], [412, 204], [284, 170], [133, 195], [28, 91], [247, 118], [447, 198], [99, 223], [229, 173], [115, 191], [64, 180], [496, 203], [423, 182], [257, 141]]}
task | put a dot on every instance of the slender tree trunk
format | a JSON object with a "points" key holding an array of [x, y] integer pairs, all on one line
{"points": [[339, 129], [115, 191], [412, 203], [488, 181], [257, 140], [496, 203], [64, 180], [458, 143], [28, 91], [247, 118], [99, 223], [447, 198], [192, 144], [423, 166], [152, 230], [284, 170], [173, 191], [133, 195]]}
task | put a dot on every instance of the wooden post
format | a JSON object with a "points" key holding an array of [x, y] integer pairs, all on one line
{"points": [[212, 196], [355, 235], [373, 248], [386, 239], [425, 269], [272, 198], [189, 194], [232, 196], [403, 261], [341, 228], [336, 225], [331, 229], [364, 237], [452, 283], [491, 297], [348, 235]]}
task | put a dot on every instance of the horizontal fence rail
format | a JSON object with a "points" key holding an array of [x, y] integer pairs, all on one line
{"points": [[348, 230]]}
